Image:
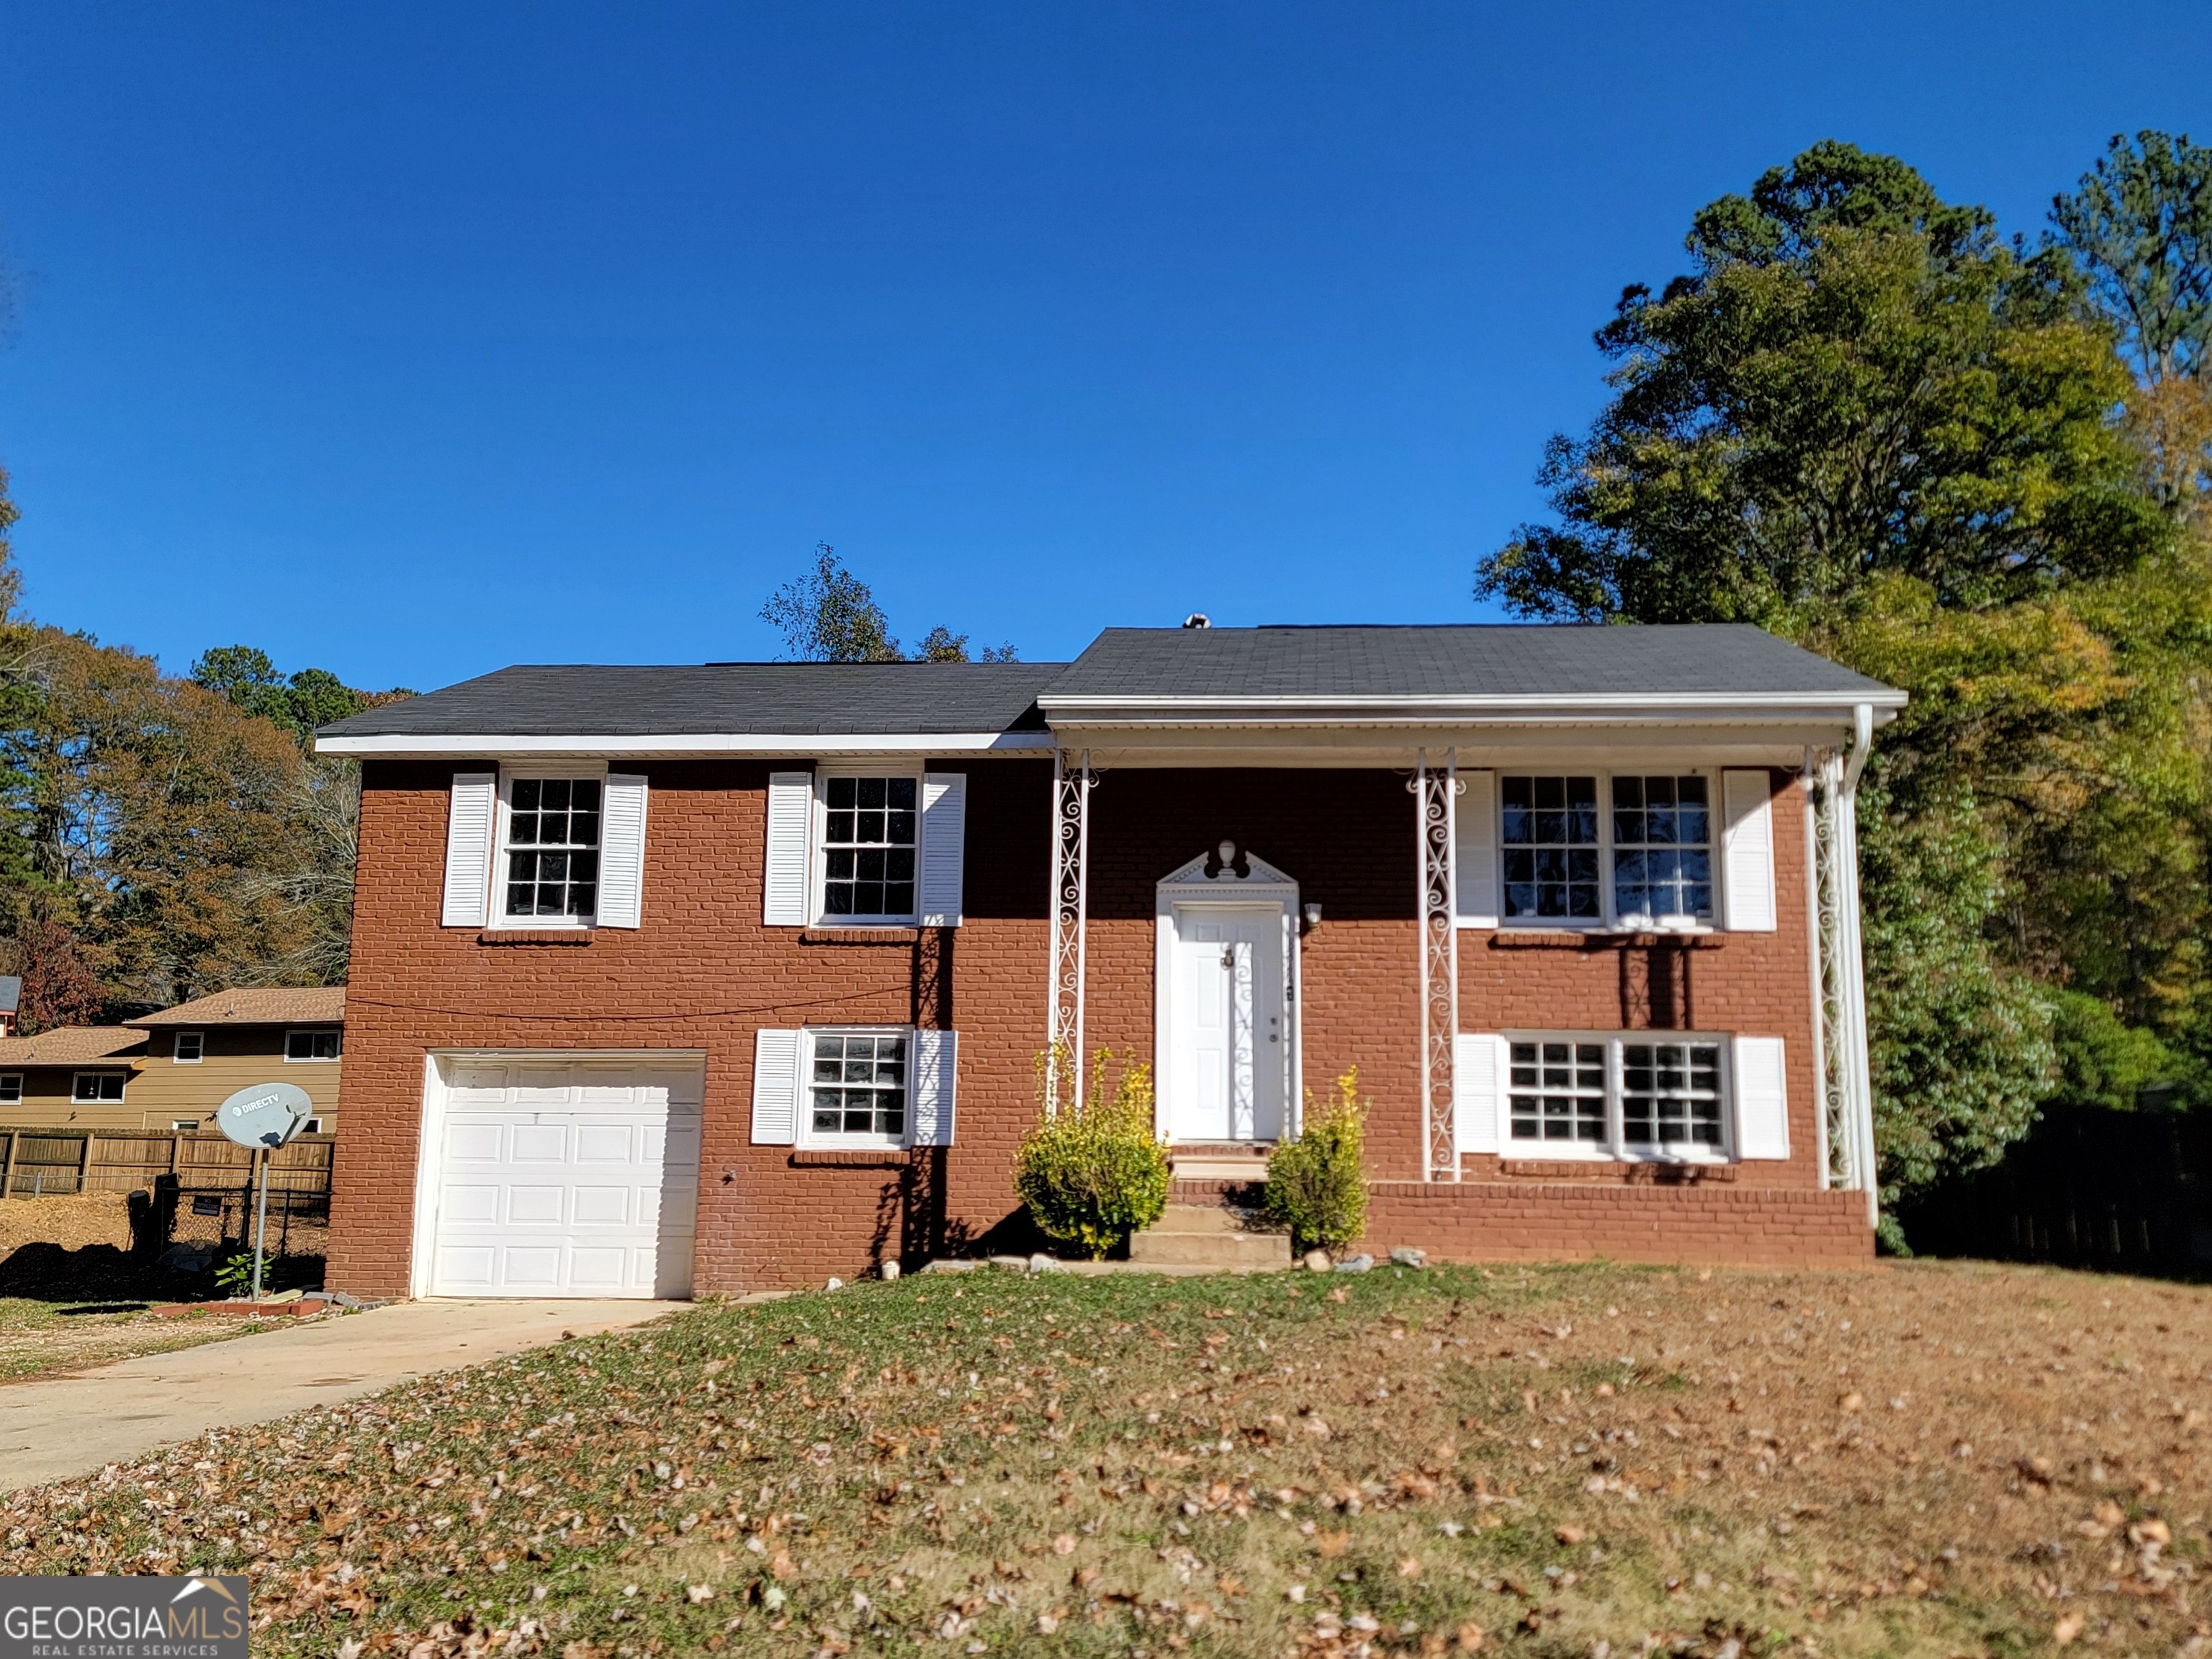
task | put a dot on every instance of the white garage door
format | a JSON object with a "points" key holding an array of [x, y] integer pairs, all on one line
{"points": [[567, 1177]]}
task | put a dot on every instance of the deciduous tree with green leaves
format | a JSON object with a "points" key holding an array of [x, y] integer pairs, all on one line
{"points": [[1863, 421]]}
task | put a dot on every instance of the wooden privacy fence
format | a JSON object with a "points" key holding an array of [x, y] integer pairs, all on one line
{"points": [[58, 1163], [2127, 1191]]}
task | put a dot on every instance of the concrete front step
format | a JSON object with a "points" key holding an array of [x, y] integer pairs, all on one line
{"points": [[1200, 1235], [1225, 1161]]}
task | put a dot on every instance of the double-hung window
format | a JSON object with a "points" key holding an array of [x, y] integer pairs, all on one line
{"points": [[11, 1088], [856, 1088], [1639, 1096], [190, 1047], [1643, 861], [551, 852], [870, 835], [97, 1088]]}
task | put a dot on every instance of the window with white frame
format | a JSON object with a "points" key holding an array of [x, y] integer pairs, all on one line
{"points": [[551, 850], [97, 1088], [870, 833], [192, 1046], [1637, 1095], [1670, 1095], [313, 1045], [857, 1087], [1548, 832], [1644, 861], [1558, 1091], [11, 1088], [1662, 861]]}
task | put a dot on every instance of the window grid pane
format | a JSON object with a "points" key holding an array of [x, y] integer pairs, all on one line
{"points": [[1558, 1091], [1549, 834], [1662, 848], [553, 848], [1670, 1094], [868, 847], [99, 1087], [859, 1085]]}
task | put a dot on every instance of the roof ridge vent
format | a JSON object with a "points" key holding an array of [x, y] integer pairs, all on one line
{"points": [[1198, 619]]}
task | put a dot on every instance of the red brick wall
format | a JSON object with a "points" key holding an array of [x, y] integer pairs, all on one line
{"points": [[704, 974], [1502, 1221], [701, 973]]}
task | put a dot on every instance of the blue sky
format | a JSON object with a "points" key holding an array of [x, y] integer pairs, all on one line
{"points": [[410, 340]]}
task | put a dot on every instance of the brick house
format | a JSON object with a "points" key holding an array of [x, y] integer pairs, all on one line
{"points": [[708, 979]]}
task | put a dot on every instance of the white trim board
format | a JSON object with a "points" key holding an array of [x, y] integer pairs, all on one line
{"points": [[496, 745]]}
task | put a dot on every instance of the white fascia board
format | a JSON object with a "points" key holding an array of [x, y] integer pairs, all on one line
{"points": [[492, 745], [1164, 711]]}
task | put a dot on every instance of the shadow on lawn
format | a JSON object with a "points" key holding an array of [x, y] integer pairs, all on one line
{"points": [[102, 1279]]}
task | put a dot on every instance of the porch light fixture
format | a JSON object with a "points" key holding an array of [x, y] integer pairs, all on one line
{"points": [[1313, 917]]}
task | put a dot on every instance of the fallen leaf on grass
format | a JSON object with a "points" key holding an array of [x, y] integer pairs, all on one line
{"points": [[1569, 1533], [1064, 1545], [1409, 1566], [2063, 1632], [1330, 1545]]}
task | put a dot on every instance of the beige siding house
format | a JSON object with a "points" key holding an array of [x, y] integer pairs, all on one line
{"points": [[171, 1069], [81, 1076]]}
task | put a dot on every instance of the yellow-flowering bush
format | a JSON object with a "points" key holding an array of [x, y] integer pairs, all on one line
{"points": [[1091, 1176]]}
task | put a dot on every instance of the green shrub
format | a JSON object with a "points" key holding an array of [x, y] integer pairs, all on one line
{"points": [[1092, 1177], [1317, 1184], [235, 1275]]}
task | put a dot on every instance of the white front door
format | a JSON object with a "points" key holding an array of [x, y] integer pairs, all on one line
{"points": [[1225, 1075], [566, 1178]]}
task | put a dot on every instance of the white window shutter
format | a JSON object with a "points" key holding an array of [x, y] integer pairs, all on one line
{"points": [[776, 1087], [469, 820], [621, 851], [1762, 1098], [1476, 827], [944, 846], [790, 831], [1479, 1078], [935, 1057], [1747, 852]]}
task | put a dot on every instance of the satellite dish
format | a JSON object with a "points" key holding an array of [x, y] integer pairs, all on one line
{"points": [[264, 1114]]}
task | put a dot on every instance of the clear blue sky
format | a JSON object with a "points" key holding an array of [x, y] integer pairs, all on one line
{"points": [[410, 340]]}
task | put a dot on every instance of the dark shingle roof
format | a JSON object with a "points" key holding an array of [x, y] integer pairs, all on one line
{"points": [[1462, 660], [792, 699], [1354, 666]]}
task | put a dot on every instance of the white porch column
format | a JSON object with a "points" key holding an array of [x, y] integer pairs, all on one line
{"points": [[1071, 849], [1436, 803], [1847, 1103]]}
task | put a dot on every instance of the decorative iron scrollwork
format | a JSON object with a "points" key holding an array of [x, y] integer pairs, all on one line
{"points": [[1435, 796]]}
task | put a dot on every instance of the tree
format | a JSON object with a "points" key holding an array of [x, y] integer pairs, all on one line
{"points": [[1854, 379], [244, 676], [1862, 421], [829, 615], [2140, 225]]}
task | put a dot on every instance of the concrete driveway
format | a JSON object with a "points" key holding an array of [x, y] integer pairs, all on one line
{"points": [[58, 1426]]}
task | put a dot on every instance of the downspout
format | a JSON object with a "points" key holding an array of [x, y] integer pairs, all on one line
{"points": [[1850, 944]]}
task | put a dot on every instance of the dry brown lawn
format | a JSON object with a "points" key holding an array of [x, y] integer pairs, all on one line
{"points": [[68, 1300], [1924, 1459]]}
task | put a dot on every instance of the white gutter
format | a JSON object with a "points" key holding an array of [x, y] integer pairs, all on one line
{"points": [[1076, 704]]}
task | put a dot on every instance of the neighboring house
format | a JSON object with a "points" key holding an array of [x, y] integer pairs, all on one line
{"points": [[199, 1054], [727, 977], [11, 999], [171, 1069], [77, 1076]]}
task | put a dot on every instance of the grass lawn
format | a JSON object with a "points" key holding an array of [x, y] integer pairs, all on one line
{"points": [[1925, 1459]]}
